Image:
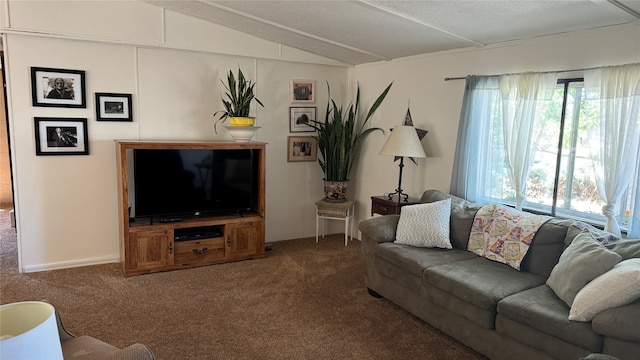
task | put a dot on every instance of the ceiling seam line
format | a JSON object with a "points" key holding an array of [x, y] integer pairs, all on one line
{"points": [[299, 32], [417, 21], [624, 8]]}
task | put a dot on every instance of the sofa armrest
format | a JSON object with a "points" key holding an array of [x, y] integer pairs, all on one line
{"points": [[621, 322], [132, 352], [380, 229]]}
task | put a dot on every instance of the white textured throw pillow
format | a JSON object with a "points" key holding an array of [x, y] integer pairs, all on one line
{"points": [[618, 286], [425, 225]]}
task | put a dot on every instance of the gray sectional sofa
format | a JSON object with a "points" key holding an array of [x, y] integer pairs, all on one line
{"points": [[500, 312]]}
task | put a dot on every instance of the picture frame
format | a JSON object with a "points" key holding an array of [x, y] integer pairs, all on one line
{"points": [[299, 118], [61, 136], [58, 87], [113, 107], [303, 91], [302, 148]]}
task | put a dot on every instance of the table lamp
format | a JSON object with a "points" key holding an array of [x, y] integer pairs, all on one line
{"points": [[28, 330], [402, 142]]}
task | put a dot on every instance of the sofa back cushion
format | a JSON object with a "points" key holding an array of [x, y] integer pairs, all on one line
{"points": [[548, 244], [462, 213], [546, 247], [627, 248]]}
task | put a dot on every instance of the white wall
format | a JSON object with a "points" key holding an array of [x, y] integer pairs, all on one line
{"points": [[67, 205], [435, 103], [172, 64]]}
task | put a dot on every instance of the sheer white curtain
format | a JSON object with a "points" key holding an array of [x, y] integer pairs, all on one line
{"points": [[524, 100], [615, 139], [633, 229], [480, 103]]}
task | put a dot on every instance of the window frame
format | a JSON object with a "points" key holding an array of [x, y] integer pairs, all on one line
{"points": [[595, 219]]}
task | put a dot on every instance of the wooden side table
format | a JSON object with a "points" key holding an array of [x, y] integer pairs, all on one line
{"points": [[383, 206], [336, 211]]}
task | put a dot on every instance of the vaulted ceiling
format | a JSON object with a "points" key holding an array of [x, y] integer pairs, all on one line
{"points": [[358, 32]]}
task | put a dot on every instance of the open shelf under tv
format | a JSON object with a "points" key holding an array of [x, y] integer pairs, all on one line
{"points": [[148, 245]]}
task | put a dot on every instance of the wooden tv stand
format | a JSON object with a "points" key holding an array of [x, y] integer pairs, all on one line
{"points": [[150, 246]]}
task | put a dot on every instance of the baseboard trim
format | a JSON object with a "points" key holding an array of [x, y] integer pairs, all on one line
{"points": [[71, 264]]}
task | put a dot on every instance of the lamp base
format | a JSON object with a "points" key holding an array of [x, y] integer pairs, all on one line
{"points": [[402, 197]]}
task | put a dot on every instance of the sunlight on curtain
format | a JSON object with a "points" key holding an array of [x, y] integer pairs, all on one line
{"points": [[615, 138], [633, 225], [524, 101], [481, 101]]}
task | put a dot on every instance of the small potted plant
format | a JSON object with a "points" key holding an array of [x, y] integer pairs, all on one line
{"points": [[339, 139], [237, 103]]}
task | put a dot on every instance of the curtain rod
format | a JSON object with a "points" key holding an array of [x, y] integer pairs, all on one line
{"points": [[543, 72]]}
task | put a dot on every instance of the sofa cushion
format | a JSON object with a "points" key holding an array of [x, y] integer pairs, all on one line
{"points": [[504, 234], [584, 260], [546, 247], [414, 260], [627, 248], [618, 286], [380, 228], [425, 225], [462, 214], [578, 227], [620, 322], [540, 309], [485, 318], [479, 282], [620, 348], [555, 347]]}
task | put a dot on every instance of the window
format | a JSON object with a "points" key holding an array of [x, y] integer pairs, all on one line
{"points": [[561, 180], [563, 147]]}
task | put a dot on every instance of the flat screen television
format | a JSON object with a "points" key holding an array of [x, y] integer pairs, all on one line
{"points": [[180, 183]]}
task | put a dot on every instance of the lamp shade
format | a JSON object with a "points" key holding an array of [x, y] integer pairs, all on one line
{"points": [[28, 330], [403, 141]]}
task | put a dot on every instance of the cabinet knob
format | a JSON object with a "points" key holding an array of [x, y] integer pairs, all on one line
{"points": [[171, 247], [229, 240]]}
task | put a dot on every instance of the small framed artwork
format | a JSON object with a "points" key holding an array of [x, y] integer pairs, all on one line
{"points": [[113, 107], [58, 87], [302, 148], [61, 136], [299, 118], [303, 91]]}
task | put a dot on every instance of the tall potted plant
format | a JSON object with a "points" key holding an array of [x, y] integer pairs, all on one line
{"points": [[339, 139], [237, 104]]}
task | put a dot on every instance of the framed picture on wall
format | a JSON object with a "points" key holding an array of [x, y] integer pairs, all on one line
{"points": [[299, 117], [61, 136], [113, 107], [58, 87], [303, 91], [302, 148]]}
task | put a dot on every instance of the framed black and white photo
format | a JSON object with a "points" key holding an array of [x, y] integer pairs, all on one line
{"points": [[302, 148], [61, 136], [58, 87], [303, 91], [113, 107], [299, 118]]}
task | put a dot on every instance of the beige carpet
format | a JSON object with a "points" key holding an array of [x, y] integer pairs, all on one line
{"points": [[303, 301]]}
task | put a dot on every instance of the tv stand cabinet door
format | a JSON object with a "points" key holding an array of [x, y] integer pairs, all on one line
{"points": [[245, 240], [150, 250]]}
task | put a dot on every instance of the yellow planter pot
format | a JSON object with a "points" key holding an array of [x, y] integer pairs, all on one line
{"points": [[242, 121]]}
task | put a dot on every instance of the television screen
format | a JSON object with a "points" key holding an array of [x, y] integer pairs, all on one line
{"points": [[191, 182]]}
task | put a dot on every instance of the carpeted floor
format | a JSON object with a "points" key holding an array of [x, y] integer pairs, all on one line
{"points": [[303, 301]]}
